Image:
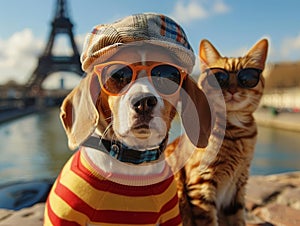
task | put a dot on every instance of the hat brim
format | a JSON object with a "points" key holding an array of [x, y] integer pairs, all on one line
{"points": [[184, 56]]}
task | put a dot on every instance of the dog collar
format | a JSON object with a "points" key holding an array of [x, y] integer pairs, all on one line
{"points": [[123, 153]]}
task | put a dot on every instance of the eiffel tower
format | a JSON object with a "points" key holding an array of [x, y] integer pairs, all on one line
{"points": [[48, 63]]}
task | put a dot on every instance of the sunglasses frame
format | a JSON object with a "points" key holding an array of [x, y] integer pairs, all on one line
{"points": [[237, 75], [135, 70]]}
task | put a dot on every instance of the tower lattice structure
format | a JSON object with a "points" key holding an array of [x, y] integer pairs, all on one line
{"points": [[49, 63]]}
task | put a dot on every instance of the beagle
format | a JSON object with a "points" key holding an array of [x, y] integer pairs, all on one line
{"points": [[119, 116]]}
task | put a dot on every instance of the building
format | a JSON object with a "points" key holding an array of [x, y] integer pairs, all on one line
{"points": [[282, 88]]}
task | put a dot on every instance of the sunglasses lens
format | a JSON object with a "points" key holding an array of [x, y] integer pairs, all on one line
{"points": [[116, 77], [166, 79], [248, 77], [217, 78]]}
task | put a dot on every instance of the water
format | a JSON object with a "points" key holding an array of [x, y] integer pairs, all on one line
{"points": [[277, 151], [35, 146], [31, 147]]}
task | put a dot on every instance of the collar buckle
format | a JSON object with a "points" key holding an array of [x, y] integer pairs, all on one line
{"points": [[114, 151]]}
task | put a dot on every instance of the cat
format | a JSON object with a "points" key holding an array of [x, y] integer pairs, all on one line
{"points": [[211, 185]]}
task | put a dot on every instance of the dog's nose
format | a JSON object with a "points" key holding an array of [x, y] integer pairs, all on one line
{"points": [[144, 105]]}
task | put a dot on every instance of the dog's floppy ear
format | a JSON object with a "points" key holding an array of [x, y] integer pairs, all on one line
{"points": [[79, 115], [196, 114]]}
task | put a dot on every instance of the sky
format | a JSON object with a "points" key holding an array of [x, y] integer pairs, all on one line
{"points": [[232, 26]]}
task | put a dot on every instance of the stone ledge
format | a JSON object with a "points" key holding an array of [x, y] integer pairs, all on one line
{"points": [[272, 200], [277, 214], [32, 216]]}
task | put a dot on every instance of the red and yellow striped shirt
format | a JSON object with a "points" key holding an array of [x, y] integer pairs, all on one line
{"points": [[82, 195]]}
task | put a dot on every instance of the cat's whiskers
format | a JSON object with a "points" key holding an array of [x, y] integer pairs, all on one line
{"points": [[254, 100]]}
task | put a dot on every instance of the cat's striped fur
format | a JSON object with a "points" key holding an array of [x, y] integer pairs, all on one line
{"points": [[211, 185]]}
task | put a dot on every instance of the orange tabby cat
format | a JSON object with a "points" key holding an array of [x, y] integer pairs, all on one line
{"points": [[211, 185]]}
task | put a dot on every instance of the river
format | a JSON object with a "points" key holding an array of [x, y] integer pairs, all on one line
{"points": [[35, 147]]}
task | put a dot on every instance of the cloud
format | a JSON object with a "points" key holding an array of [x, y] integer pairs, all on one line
{"points": [[193, 10], [189, 12], [19, 54], [290, 47], [219, 7], [62, 45]]}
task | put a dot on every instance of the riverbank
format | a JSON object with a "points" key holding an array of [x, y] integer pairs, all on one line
{"points": [[279, 120], [270, 200], [8, 115]]}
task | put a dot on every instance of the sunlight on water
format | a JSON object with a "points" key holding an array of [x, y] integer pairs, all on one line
{"points": [[35, 146], [276, 151], [32, 147]]}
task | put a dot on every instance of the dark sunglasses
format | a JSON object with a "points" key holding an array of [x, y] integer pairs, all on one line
{"points": [[247, 77], [116, 77]]}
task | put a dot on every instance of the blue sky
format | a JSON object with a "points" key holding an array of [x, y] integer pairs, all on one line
{"points": [[232, 26]]}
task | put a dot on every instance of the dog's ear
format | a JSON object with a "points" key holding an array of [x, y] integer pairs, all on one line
{"points": [[79, 115], [196, 114]]}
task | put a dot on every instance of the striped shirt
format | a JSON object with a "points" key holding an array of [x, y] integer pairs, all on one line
{"points": [[82, 195]]}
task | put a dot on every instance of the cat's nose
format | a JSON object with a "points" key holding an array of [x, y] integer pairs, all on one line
{"points": [[232, 90]]}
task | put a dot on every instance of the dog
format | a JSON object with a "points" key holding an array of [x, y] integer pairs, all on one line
{"points": [[119, 116]]}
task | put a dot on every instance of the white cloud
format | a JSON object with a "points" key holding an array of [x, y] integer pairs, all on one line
{"points": [[287, 50], [19, 54], [79, 39], [186, 12], [290, 47], [219, 7], [62, 45]]}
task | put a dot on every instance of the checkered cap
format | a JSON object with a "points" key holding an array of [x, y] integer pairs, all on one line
{"points": [[150, 28]]}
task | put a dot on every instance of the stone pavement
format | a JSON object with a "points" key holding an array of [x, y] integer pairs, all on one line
{"points": [[26, 217], [274, 200], [270, 200]]}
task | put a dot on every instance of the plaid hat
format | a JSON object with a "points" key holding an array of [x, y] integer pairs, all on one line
{"points": [[150, 28]]}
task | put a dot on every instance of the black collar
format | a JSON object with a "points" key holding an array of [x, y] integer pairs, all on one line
{"points": [[123, 153]]}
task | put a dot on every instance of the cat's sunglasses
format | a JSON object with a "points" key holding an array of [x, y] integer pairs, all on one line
{"points": [[116, 77], [247, 77]]}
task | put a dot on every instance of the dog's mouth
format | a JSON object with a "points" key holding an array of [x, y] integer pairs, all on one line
{"points": [[141, 130], [141, 126]]}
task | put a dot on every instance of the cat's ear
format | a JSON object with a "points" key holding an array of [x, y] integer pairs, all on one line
{"points": [[258, 53], [208, 53]]}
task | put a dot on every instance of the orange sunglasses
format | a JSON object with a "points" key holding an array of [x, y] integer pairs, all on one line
{"points": [[116, 77]]}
